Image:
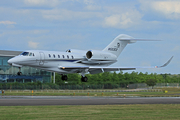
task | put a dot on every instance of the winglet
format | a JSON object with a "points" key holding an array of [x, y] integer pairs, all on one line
{"points": [[165, 63]]}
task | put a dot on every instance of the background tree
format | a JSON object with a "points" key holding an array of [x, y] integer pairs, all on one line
{"points": [[151, 82], [58, 79], [74, 79]]}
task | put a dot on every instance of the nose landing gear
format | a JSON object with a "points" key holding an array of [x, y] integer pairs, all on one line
{"points": [[19, 73]]}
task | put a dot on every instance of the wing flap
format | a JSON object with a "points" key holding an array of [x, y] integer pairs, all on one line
{"points": [[113, 68], [73, 67]]}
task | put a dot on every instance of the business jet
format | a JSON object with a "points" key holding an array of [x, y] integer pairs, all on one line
{"points": [[78, 61]]}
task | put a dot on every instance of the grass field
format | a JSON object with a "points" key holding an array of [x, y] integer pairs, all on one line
{"points": [[172, 92], [92, 112]]}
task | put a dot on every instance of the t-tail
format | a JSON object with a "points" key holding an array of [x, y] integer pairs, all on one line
{"points": [[120, 42]]}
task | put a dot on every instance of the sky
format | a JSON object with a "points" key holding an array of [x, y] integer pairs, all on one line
{"points": [[59, 25]]}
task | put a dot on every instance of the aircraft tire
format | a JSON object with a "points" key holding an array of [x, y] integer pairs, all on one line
{"points": [[64, 77], [19, 73], [84, 79]]}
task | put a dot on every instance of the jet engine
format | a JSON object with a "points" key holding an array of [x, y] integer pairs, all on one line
{"points": [[100, 55]]}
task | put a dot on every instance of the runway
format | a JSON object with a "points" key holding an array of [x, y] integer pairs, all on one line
{"points": [[82, 100]]}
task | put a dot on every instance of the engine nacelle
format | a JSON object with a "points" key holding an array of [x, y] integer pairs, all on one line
{"points": [[100, 55]]}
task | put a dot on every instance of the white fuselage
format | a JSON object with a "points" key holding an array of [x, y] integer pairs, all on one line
{"points": [[53, 60]]}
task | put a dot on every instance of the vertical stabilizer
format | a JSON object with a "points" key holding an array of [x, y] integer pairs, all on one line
{"points": [[118, 44]]}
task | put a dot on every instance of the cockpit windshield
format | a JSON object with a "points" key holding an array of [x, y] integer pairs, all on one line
{"points": [[27, 54], [30, 54]]}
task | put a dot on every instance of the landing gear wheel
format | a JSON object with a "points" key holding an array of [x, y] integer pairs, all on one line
{"points": [[19, 73], [64, 77], [84, 79]]}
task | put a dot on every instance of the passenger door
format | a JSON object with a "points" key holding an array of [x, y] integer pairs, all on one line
{"points": [[42, 57]]}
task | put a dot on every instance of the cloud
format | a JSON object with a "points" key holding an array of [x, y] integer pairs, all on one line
{"points": [[93, 15], [23, 32], [64, 14], [88, 2], [117, 21], [122, 20], [93, 7], [167, 8], [171, 9], [7, 22], [32, 44], [41, 2]]}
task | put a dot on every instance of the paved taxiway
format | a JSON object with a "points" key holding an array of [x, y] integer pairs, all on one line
{"points": [[82, 100]]}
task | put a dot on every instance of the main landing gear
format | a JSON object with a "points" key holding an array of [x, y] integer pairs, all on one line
{"points": [[84, 79], [64, 77], [19, 73]]}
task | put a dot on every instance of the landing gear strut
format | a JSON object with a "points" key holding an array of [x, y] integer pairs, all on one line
{"points": [[84, 79], [64, 77], [19, 73]]}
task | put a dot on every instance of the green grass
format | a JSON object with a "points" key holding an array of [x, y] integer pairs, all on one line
{"points": [[92, 112], [84, 94], [173, 92]]}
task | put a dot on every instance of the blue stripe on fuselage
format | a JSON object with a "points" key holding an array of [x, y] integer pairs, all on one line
{"points": [[62, 60]]}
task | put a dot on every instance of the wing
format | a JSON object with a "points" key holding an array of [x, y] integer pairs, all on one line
{"points": [[97, 69]]}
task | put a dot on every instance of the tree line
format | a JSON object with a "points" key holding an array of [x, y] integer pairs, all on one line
{"points": [[118, 78], [106, 80]]}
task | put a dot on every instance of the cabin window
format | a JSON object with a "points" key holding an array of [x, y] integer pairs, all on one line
{"points": [[33, 54], [68, 56], [58, 56], [49, 55], [54, 56], [72, 57], [63, 56]]}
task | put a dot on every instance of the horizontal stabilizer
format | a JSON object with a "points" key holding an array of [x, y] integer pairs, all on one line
{"points": [[134, 39]]}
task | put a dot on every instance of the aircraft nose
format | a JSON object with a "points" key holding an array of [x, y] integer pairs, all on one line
{"points": [[10, 61]]}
